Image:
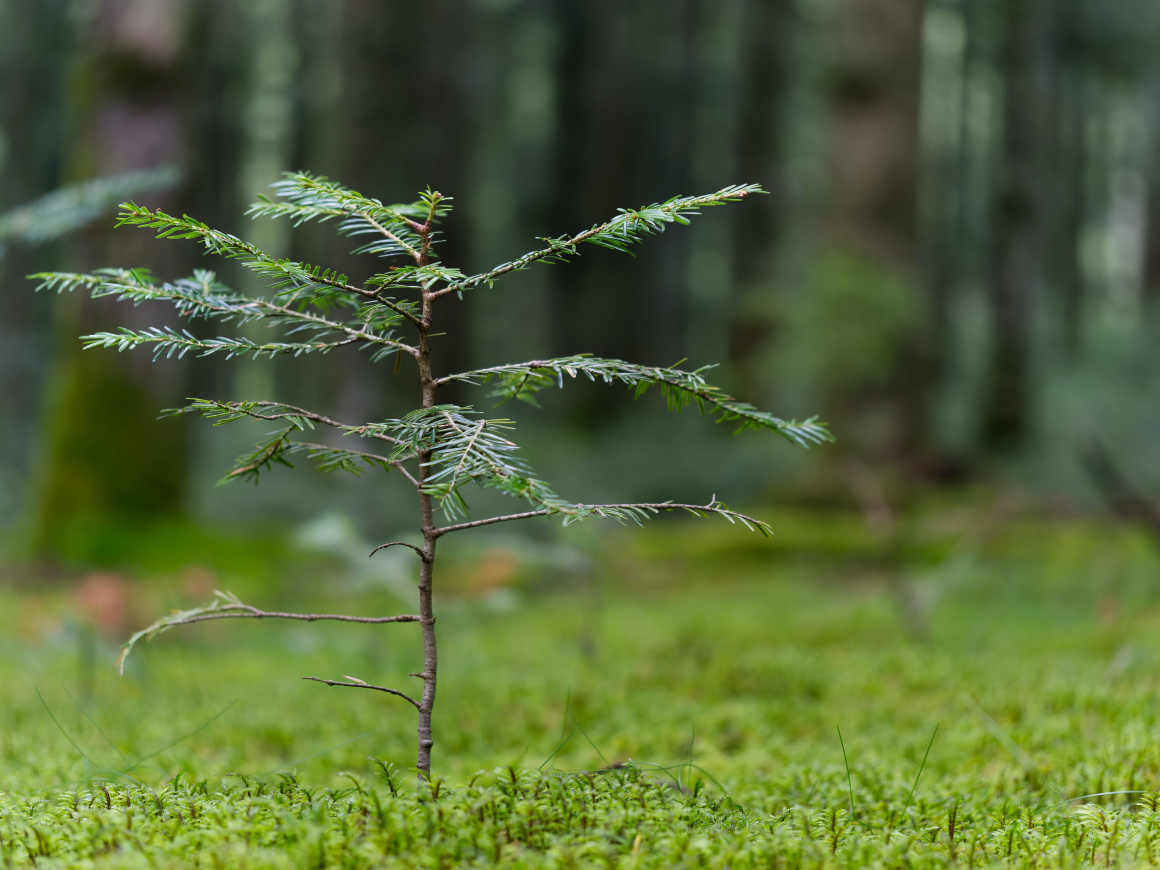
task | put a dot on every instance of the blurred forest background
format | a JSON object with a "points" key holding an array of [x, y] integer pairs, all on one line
{"points": [[958, 268]]}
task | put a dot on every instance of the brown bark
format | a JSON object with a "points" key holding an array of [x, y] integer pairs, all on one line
{"points": [[430, 538]]}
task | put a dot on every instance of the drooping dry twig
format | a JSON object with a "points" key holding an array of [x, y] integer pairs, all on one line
{"points": [[226, 605]]}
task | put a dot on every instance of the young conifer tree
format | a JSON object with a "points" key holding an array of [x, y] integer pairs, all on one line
{"points": [[438, 448]]}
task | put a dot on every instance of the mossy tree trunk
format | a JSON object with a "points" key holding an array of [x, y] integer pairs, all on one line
{"points": [[103, 456]]}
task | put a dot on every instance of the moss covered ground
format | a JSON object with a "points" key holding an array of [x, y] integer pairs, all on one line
{"points": [[688, 696]]}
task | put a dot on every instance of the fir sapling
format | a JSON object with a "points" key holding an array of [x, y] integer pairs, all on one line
{"points": [[437, 448]]}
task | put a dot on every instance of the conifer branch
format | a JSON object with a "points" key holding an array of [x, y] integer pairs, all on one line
{"points": [[328, 459], [679, 389], [299, 277], [315, 197], [169, 342], [275, 449], [341, 459], [632, 512], [299, 418], [627, 228], [203, 296]]}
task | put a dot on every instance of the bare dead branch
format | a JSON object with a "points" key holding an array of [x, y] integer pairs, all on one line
{"points": [[418, 550], [402, 695], [227, 606], [245, 611]]}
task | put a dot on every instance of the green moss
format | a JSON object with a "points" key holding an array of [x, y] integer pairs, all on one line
{"points": [[1041, 682]]}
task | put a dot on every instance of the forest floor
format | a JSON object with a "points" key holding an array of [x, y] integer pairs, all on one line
{"points": [[690, 696]]}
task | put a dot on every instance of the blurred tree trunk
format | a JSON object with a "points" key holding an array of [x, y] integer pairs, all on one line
{"points": [[410, 106], [767, 28], [596, 170], [105, 457], [875, 165], [950, 228], [1152, 215], [875, 144], [1152, 246], [1016, 222], [1070, 205], [34, 47], [1064, 152]]}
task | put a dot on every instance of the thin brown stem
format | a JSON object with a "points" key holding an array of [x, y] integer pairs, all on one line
{"points": [[402, 695], [427, 522], [474, 524]]}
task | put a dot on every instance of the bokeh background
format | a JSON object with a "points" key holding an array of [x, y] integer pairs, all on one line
{"points": [[957, 268]]}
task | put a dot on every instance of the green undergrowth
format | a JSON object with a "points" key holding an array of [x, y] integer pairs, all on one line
{"points": [[677, 705]]}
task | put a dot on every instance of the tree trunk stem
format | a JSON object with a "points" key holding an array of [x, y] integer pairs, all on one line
{"points": [[430, 536]]}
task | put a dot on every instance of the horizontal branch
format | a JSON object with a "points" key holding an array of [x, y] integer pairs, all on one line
{"points": [[635, 512], [284, 272], [679, 389], [619, 233], [169, 341], [235, 410], [361, 685]]}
